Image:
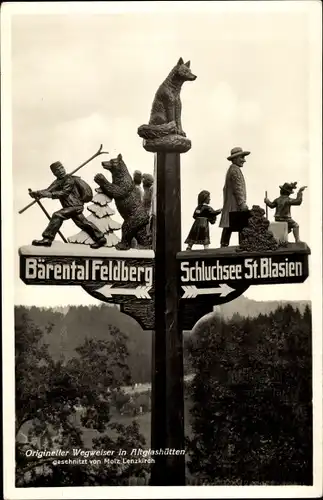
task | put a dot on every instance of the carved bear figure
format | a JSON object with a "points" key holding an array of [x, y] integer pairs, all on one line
{"points": [[128, 203]]}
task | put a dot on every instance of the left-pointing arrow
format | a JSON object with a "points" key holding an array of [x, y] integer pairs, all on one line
{"points": [[190, 292], [141, 291]]}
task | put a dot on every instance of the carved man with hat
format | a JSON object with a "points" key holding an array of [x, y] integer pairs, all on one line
{"points": [[66, 189], [234, 192]]}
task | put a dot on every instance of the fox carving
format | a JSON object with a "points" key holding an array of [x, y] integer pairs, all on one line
{"points": [[167, 106]]}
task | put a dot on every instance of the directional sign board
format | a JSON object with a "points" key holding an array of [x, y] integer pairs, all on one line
{"points": [[206, 278], [120, 277], [213, 277]]}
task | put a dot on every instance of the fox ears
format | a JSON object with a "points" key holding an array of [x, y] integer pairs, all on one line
{"points": [[180, 61]]}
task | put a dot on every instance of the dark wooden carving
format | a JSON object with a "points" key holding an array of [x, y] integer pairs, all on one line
{"points": [[128, 203], [164, 131]]}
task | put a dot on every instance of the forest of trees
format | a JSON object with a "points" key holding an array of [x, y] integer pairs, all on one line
{"points": [[250, 399], [48, 393], [255, 376], [73, 324], [70, 329]]}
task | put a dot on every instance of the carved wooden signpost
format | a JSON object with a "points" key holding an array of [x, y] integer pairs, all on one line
{"points": [[165, 289], [116, 277], [213, 277]]}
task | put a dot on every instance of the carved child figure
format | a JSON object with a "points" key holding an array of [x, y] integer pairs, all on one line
{"points": [[283, 204], [137, 179], [203, 215], [147, 183], [147, 201]]}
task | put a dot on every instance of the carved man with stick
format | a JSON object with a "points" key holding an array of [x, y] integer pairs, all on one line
{"points": [[66, 188]]}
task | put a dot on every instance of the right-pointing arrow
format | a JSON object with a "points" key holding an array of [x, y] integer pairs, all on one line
{"points": [[191, 291]]}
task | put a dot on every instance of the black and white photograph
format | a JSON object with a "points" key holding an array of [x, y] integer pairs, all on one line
{"points": [[162, 249]]}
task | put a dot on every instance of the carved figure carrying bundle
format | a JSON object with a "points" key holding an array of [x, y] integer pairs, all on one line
{"points": [[72, 192]]}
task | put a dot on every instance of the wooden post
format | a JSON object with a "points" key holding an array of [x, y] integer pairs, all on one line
{"points": [[167, 384]]}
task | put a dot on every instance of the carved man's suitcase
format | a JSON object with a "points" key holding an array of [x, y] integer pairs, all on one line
{"points": [[239, 220]]}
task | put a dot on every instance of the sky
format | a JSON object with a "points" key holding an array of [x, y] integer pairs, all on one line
{"points": [[82, 79]]}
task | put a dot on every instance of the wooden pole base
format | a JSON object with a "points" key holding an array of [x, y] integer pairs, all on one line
{"points": [[167, 384]]}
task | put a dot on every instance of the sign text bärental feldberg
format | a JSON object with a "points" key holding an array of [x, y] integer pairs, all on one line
{"points": [[85, 270]]}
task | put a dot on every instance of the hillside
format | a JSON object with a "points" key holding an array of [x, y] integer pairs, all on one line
{"points": [[72, 325], [251, 308]]}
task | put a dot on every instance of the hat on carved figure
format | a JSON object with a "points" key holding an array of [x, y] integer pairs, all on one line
{"points": [[54, 166], [235, 152], [289, 187]]}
